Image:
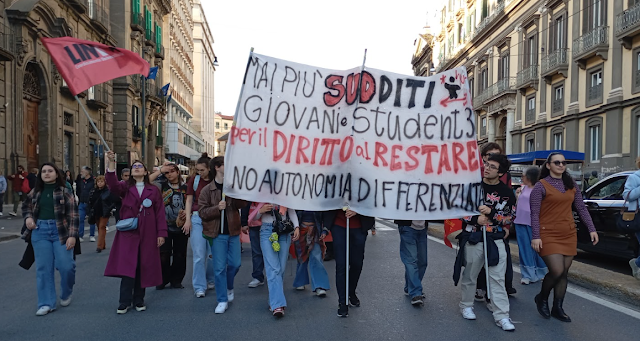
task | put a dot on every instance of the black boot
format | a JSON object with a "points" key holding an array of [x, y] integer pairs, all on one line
{"points": [[543, 306], [558, 312]]}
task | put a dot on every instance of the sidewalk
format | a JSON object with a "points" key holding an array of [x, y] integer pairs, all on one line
{"points": [[622, 287], [10, 226]]}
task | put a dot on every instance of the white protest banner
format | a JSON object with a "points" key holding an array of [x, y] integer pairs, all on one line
{"points": [[401, 147]]}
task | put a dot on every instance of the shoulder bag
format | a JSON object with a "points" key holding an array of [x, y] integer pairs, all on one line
{"points": [[128, 224], [281, 226], [628, 221]]}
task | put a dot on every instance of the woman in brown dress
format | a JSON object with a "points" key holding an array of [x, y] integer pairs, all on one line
{"points": [[554, 231]]}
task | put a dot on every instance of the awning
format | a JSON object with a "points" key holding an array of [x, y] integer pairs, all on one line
{"points": [[224, 137], [540, 156]]}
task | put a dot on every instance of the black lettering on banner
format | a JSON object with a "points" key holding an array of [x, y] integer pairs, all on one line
{"points": [[444, 198], [420, 195], [304, 86], [416, 132], [385, 88], [286, 74], [298, 83], [400, 192], [273, 76], [455, 125], [314, 113], [320, 187], [414, 85], [362, 182], [258, 109], [396, 130], [255, 62], [384, 191], [427, 100], [330, 181], [377, 112], [443, 124], [263, 76], [345, 186], [472, 132], [297, 122], [357, 118], [275, 115], [331, 118], [397, 102], [308, 184], [427, 124]]}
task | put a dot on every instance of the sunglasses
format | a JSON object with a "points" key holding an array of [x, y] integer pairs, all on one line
{"points": [[136, 166], [558, 163]]}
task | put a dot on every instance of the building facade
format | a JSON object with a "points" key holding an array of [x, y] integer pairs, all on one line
{"points": [[40, 120], [205, 62], [222, 126], [549, 74], [139, 124]]}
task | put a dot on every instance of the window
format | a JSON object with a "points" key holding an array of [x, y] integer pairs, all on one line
{"points": [[226, 126], [531, 109], [559, 29], [217, 125], [484, 79], [483, 126], [460, 33], [557, 141], [594, 90], [531, 147], [597, 13], [594, 143], [135, 116], [611, 189], [471, 87], [636, 71], [558, 99], [503, 71]]}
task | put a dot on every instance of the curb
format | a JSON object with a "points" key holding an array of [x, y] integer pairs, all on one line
{"points": [[621, 287], [9, 237]]}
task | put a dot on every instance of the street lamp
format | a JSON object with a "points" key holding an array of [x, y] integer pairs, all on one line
{"points": [[215, 61]]}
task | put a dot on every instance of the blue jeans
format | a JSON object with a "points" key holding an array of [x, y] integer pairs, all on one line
{"points": [[82, 212], [202, 262], [314, 266], [357, 240], [638, 258], [275, 264], [226, 263], [413, 253], [256, 254], [50, 254], [532, 266]]}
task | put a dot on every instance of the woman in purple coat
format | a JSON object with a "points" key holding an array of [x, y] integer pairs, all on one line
{"points": [[135, 254]]}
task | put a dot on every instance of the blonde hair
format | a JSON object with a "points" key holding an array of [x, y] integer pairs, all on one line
{"points": [[100, 178]]}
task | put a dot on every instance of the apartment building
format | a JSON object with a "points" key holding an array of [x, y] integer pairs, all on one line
{"points": [[555, 74], [223, 124]]}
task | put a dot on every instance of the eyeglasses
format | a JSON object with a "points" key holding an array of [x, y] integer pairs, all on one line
{"points": [[171, 171], [558, 163], [490, 166], [489, 154], [137, 166]]}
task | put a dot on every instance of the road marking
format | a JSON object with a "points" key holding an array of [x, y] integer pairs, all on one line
{"points": [[573, 289]]}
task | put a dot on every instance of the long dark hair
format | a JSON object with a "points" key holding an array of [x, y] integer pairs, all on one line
{"points": [[205, 159], [532, 174], [175, 167], [132, 181], [60, 180], [215, 162], [567, 180]]}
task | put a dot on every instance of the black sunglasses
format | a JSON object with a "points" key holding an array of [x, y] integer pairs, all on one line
{"points": [[558, 163]]}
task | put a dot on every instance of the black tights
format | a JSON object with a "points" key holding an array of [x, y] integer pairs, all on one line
{"points": [[556, 279]]}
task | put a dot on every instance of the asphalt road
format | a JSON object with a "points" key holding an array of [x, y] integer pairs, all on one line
{"points": [[385, 313]]}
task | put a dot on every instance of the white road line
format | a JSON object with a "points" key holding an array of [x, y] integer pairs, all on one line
{"points": [[573, 289]]}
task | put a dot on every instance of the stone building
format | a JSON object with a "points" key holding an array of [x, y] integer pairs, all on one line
{"points": [[553, 74], [205, 62], [223, 125], [40, 121], [139, 27]]}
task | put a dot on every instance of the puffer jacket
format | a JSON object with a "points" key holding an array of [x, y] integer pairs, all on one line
{"points": [[632, 188], [208, 210]]}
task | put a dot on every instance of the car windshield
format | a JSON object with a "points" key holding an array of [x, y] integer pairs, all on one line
{"points": [[610, 189]]}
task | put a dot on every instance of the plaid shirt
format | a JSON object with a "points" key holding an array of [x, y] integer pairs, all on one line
{"points": [[65, 210]]}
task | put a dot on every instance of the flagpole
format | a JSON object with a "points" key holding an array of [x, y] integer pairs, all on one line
{"points": [[93, 124], [486, 261], [347, 267], [244, 79], [144, 113]]}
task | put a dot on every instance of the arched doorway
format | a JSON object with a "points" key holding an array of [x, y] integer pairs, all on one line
{"points": [[501, 135], [31, 98]]}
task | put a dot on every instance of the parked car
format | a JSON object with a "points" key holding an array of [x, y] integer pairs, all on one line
{"points": [[604, 200]]}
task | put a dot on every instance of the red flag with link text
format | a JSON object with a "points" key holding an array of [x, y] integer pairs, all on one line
{"points": [[452, 227], [84, 63]]}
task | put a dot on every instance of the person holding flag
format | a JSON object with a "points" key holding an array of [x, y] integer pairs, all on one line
{"points": [[482, 239], [221, 224]]}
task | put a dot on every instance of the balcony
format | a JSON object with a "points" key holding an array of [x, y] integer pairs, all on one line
{"points": [[592, 43], [99, 16], [137, 22], [136, 133], [98, 96], [135, 82], [159, 51], [500, 88], [7, 45], [628, 26], [555, 63], [149, 38], [557, 106], [478, 100], [153, 92], [488, 21], [79, 5], [528, 78], [637, 81], [594, 95]]}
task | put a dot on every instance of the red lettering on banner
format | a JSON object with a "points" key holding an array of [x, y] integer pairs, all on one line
{"points": [[315, 149], [293, 139], [367, 88], [410, 151], [472, 155], [352, 87], [380, 150], [303, 143], [278, 135], [428, 149], [444, 159], [395, 165], [327, 155], [345, 153], [333, 82], [232, 135], [458, 149]]}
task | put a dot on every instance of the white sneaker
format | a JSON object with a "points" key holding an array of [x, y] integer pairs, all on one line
{"points": [[321, 292], [211, 286], [300, 288], [80, 239], [468, 313], [65, 303], [0, 214], [44, 310], [15, 215], [230, 295], [506, 325], [107, 228], [255, 283], [199, 294], [92, 239], [634, 268], [525, 281], [222, 307]]}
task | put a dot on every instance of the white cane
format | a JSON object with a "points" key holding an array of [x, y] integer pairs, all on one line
{"points": [[222, 217], [347, 265], [486, 261]]}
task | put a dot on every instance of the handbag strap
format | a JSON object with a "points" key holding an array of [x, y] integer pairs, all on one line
{"points": [[624, 205]]}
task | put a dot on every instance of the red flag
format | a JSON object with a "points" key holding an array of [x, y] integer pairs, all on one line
{"points": [[84, 63], [451, 228]]}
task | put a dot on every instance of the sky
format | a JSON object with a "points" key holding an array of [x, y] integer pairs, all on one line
{"points": [[328, 34]]}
